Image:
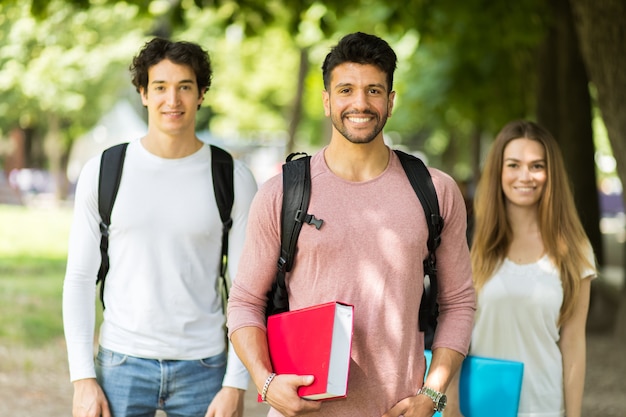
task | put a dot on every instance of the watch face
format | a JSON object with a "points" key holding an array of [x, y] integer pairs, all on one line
{"points": [[442, 402]]}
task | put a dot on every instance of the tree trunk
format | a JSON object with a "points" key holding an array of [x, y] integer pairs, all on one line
{"points": [[602, 34], [564, 108], [601, 28], [296, 115], [54, 155]]}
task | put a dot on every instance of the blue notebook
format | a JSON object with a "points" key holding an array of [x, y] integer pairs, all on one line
{"points": [[488, 385]]}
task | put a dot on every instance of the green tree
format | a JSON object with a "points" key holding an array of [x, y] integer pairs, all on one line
{"points": [[59, 74]]}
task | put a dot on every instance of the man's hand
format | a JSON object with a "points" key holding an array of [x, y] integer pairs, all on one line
{"points": [[445, 363], [228, 402], [89, 399], [415, 406], [282, 394]]}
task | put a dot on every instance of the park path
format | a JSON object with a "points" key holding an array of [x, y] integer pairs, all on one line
{"points": [[35, 382]]}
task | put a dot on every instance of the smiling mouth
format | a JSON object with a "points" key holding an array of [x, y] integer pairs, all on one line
{"points": [[359, 119], [173, 113]]}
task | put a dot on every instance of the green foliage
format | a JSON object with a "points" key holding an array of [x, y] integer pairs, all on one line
{"points": [[475, 63], [72, 64], [465, 68], [263, 87]]}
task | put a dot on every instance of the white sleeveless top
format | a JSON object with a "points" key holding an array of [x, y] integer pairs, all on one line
{"points": [[516, 319]]}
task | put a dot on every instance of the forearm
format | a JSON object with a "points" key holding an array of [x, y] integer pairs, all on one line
{"points": [[250, 343], [79, 327], [573, 351], [574, 379], [445, 364], [453, 407]]}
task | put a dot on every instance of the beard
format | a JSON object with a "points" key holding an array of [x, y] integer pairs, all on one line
{"points": [[361, 136]]}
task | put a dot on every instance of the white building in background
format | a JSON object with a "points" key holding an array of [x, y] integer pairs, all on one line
{"points": [[120, 124]]}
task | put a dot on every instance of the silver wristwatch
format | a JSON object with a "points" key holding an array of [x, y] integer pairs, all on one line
{"points": [[439, 398]]}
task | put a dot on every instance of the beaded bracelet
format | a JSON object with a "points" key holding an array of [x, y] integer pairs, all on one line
{"points": [[266, 386]]}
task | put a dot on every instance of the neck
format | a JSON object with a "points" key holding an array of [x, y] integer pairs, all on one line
{"points": [[357, 162], [523, 220], [171, 147], [526, 245]]}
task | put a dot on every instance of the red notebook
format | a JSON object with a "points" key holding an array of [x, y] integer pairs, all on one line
{"points": [[314, 341]]}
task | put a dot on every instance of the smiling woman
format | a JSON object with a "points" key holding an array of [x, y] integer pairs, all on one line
{"points": [[532, 268]]}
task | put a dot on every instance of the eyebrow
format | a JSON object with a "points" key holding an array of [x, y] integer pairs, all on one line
{"points": [[186, 81], [518, 160], [382, 86]]}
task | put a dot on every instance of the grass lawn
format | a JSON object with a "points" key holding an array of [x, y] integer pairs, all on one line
{"points": [[33, 249]]}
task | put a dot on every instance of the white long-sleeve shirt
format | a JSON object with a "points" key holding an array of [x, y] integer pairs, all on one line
{"points": [[161, 293]]}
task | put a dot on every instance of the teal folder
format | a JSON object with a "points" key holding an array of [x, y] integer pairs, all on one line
{"points": [[488, 386]]}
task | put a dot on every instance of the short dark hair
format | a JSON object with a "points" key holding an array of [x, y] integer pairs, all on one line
{"points": [[361, 48], [181, 53]]}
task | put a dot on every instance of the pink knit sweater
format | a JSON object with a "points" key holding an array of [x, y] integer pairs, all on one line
{"points": [[368, 253]]}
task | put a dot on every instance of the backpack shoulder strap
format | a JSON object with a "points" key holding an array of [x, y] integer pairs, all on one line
{"points": [[296, 195], [422, 184], [111, 165], [222, 166]]}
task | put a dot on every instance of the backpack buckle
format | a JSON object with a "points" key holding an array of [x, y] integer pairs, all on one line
{"points": [[104, 229], [282, 264], [226, 226]]}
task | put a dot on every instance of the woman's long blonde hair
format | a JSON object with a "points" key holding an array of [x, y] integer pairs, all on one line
{"points": [[563, 236]]}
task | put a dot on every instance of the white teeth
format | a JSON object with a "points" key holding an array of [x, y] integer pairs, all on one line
{"points": [[359, 119]]}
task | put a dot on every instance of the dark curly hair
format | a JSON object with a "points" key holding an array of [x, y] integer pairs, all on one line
{"points": [[181, 53], [361, 48]]}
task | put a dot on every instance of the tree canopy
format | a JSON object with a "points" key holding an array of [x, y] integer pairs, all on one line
{"points": [[465, 69]]}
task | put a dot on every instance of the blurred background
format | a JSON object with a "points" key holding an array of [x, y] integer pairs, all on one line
{"points": [[465, 69]]}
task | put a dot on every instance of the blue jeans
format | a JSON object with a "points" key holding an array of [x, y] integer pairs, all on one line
{"points": [[137, 387]]}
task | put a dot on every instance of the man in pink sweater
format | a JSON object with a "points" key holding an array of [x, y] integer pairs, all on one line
{"points": [[368, 253]]}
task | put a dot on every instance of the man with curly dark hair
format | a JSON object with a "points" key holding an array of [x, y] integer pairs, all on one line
{"points": [[162, 343]]}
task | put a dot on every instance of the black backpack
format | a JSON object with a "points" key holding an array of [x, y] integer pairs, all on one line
{"points": [[296, 193], [111, 166]]}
